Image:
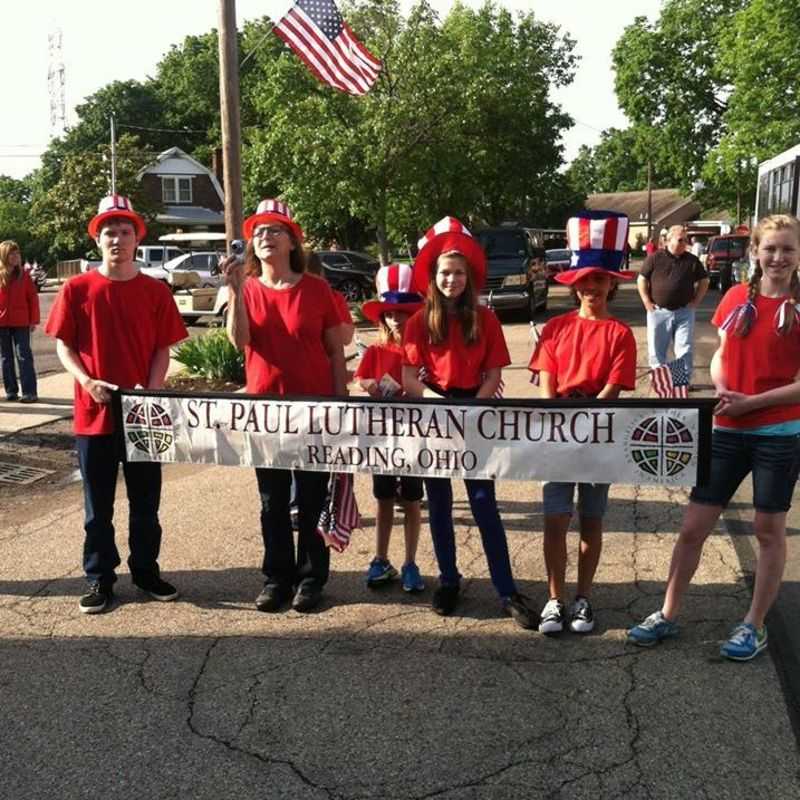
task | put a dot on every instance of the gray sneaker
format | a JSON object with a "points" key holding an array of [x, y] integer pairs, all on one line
{"points": [[652, 630]]}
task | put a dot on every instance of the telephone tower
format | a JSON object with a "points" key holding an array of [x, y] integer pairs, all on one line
{"points": [[55, 84]]}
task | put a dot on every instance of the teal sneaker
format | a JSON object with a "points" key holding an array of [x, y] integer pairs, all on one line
{"points": [[412, 580], [380, 571], [652, 630], [745, 642]]}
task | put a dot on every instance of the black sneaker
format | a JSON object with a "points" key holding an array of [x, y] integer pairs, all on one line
{"points": [[517, 607], [445, 600], [157, 588], [272, 597], [307, 598], [96, 600], [552, 620]]}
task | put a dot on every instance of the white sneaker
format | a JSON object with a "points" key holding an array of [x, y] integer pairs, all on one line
{"points": [[551, 619], [581, 618]]}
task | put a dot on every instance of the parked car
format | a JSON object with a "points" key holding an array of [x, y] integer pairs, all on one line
{"points": [[516, 272], [203, 263], [350, 272], [722, 252], [154, 257], [557, 261]]}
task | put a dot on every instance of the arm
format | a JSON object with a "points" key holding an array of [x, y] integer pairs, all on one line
{"points": [[33, 305], [547, 385], [347, 329], [99, 390], [490, 383], [717, 368], [413, 386], [643, 285], [609, 392], [332, 341], [701, 287], [238, 324], [158, 368]]}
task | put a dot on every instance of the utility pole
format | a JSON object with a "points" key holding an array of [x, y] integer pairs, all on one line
{"points": [[229, 117], [649, 200], [113, 157]]}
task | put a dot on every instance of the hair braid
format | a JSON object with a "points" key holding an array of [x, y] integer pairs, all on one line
{"points": [[788, 313], [745, 320]]}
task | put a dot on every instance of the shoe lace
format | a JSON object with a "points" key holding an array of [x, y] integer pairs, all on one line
{"points": [[581, 608], [740, 634], [551, 609], [653, 621]]}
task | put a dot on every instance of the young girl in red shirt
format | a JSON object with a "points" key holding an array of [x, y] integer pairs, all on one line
{"points": [[584, 353], [460, 346], [380, 374], [755, 371]]}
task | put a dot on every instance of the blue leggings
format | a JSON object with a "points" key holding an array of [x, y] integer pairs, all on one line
{"points": [[484, 510]]}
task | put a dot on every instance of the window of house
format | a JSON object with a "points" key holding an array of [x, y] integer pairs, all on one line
{"points": [[176, 190]]}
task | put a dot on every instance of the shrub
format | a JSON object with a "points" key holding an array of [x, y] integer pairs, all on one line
{"points": [[212, 357]]}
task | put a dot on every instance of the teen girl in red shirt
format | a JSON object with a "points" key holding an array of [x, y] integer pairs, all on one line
{"points": [[460, 346], [286, 322], [755, 370], [380, 374], [585, 353]]}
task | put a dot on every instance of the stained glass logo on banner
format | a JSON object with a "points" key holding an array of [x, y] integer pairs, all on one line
{"points": [[149, 428], [661, 446]]}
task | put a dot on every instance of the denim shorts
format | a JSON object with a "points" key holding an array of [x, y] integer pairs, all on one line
{"points": [[559, 498], [774, 462], [384, 487]]}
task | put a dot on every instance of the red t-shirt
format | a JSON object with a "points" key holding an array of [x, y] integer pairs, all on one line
{"points": [[453, 364], [115, 327], [342, 309], [382, 359], [760, 361], [286, 354], [584, 355], [19, 303]]}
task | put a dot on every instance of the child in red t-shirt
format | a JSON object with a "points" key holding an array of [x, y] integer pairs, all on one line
{"points": [[115, 327], [380, 374], [584, 353], [755, 370], [460, 346]]}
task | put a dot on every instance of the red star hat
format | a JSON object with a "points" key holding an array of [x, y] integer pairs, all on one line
{"points": [[597, 240], [394, 284], [448, 235], [116, 205], [272, 211]]}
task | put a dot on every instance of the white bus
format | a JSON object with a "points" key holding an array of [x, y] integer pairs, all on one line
{"points": [[778, 177]]}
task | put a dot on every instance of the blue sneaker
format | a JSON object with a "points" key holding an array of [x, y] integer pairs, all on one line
{"points": [[412, 580], [652, 630], [745, 642], [380, 571]]}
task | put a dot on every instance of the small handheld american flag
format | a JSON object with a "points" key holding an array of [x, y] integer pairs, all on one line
{"points": [[671, 380]]}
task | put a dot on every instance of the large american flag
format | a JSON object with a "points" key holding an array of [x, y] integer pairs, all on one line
{"points": [[316, 32], [671, 380]]}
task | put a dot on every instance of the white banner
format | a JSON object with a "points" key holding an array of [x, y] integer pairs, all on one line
{"points": [[635, 442]]}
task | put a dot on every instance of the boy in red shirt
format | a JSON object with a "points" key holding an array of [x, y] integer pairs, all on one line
{"points": [[114, 327], [584, 353]]}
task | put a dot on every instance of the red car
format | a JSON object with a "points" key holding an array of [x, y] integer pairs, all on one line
{"points": [[722, 252]]}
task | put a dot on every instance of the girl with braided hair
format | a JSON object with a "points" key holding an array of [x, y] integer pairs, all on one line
{"points": [[755, 370]]}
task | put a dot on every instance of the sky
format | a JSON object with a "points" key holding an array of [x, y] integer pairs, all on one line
{"points": [[100, 45]]}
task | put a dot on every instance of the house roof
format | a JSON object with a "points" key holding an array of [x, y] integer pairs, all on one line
{"points": [[666, 203], [190, 215], [177, 153]]}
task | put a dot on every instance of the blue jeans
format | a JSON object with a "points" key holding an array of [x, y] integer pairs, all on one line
{"points": [[99, 458], [281, 566], [18, 339], [665, 328], [484, 510]]}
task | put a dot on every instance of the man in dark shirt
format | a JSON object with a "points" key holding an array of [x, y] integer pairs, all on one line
{"points": [[672, 283]]}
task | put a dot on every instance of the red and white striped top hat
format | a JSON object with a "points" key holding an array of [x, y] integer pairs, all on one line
{"points": [[116, 205], [448, 235], [396, 290], [271, 210]]}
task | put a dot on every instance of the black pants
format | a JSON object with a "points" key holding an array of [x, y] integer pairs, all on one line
{"points": [[311, 565]]}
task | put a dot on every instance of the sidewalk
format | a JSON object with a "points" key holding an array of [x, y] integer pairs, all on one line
{"points": [[375, 696]]}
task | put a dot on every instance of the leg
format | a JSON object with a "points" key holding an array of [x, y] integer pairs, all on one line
{"points": [[493, 535], [7, 360], [384, 521], [143, 482], [592, 503], [313, 556], [440, 514], [98, 460], [278, 565], [658, 336], [555, 553], [411, 494], [770, 530], [683, 334], [27, 372]]}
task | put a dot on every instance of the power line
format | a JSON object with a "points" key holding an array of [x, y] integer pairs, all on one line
{"points": [[161, 130]]}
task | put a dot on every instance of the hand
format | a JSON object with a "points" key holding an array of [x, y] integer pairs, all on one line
{"points": [[100, 391], [232, 272], [733, 404], [649, 305], [33, 328]]}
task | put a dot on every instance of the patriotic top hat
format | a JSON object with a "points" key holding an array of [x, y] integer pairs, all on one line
{"points": [[597, 240], [395, 290], [272, 211], [447, 236], [116, 205]]}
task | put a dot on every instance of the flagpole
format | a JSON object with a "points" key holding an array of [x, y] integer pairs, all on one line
{"points": [[229, 118]]}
